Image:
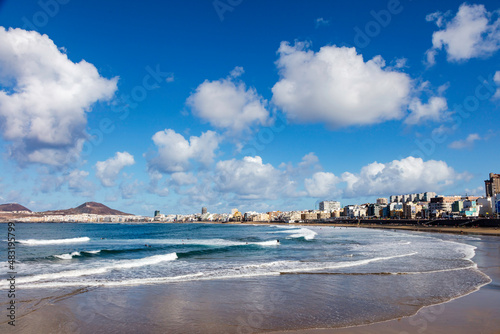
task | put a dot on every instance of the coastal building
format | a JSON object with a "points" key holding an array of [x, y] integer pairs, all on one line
{"points": [[336, 214], [417, 197], [329, 206], [382, 201], [309, 216], [426, 197], [324, 215], [292, 216], [457, 206], [470, 209], [203, 210], [386, 211], [159, 217], [355, 211], [486, 205], [396, 214], [248, 216], [261, 217], [497, 204], [442, 203], [411, 210], [425, 210], [410, 198], [492, 186], [375, 210], [395, 206], [396, 199], [236, 215], [274, 215], [157, 212]]}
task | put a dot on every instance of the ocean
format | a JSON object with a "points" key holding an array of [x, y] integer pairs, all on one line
{"points": [[251, 278]]}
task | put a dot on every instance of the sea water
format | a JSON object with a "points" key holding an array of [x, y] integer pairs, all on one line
{"points": [[322, 276]]}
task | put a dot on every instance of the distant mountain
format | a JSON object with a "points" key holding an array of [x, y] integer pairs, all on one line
{"points": [[88, 207], [13, 207]]}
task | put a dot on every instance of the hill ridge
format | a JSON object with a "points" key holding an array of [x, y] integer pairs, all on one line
{"points": [[89, 208], [9, 207]]}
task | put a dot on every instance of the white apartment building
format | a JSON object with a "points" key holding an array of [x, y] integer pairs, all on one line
{"points": [[424, 197], [329, 206]]}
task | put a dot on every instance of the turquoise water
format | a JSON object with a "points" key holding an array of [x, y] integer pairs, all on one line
{"points": [[355, 275]]}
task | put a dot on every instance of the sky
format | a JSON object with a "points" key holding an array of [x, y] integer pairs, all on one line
{"points": [[256, 105]]}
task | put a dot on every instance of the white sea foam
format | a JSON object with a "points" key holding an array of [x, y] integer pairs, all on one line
{"points": [[301, 232], [40, 242], [268, 243], [137, 281], [123, 264], [252, 270], [295, 266], [152, 280], [68, 256], [269, 264], [305, 233], [246, 271], [228, 274], [359, 262], [336, 265], [469, 252]]}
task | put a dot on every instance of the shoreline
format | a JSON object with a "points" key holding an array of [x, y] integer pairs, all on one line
{"points": [[491, 231]]}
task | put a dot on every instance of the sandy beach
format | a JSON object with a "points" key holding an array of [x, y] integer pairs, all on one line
{"points": [[200, 307]]}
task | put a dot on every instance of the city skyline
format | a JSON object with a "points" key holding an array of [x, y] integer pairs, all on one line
{"points": [[406, 206], [186, 105]]}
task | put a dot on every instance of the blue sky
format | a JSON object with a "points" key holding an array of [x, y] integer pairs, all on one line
{"points": [[257, 105]]}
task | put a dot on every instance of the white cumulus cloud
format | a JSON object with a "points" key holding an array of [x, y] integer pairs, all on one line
{"points": [[228, 104], [75, 180], [156, 186], [44, 98], [181, 178], [175, 152], [465, 143], [434, 110], [107, 171], [78, 183], [473, 32], [408, 175], [322, 184], [337, 87], [250, 178]]}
